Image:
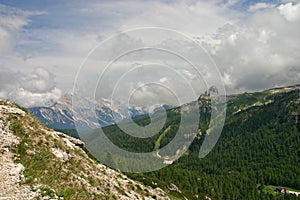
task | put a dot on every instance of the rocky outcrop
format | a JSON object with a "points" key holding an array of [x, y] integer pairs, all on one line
{"points": [[70, 140]]}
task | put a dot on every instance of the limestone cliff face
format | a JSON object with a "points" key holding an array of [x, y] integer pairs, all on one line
{"points": [[39, 163]]}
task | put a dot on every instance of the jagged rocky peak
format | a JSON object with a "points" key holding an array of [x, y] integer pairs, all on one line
{"points": [[213, 90], [39, 163]]}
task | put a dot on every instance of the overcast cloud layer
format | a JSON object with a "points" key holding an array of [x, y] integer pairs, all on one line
{"points": [[255, 44]]}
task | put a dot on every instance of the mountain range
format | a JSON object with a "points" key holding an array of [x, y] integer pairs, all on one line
{"points": [[60, 114]]}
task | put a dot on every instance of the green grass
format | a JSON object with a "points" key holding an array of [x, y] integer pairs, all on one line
{"points": [[42, 167], [291, 189], [157, 143], [270, 189]]}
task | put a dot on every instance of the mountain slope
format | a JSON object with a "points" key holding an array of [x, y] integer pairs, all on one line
{"points": [[36, 161], [258, 149]]}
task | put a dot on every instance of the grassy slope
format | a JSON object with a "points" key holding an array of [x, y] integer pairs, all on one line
{"points": [[79, 177]]}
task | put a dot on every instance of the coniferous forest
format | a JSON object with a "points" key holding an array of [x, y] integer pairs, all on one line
{"points": [[258, 151]]}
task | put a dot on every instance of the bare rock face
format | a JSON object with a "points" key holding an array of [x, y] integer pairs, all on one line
{"points": [[71, 141], [61, 155], [38, 163], [16, 169]]}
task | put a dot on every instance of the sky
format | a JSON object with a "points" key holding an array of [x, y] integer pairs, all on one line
{"points": [[247, 45]]}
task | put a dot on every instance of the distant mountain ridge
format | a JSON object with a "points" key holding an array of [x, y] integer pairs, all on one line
{"points": [[60, 114]]}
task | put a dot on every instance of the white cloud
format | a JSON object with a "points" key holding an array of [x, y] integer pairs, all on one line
{"points": [[231, 2], [188, 74], [61, 50], [33, 89], [11, 22], [30, 99], [261, 53], [254, 50], [260, 6], [164, 79], [40, 81], [228, 80], [199, 18], [290, 11]]}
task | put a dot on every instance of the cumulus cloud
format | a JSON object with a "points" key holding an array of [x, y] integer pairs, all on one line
{"points": [[60, 48], [290, 11], [164, 79], [253, 54], [197, 18], [40, 81], [262, 53], [260, 6], [254, 50], [33, 89], [188, 74], [30, 99]]}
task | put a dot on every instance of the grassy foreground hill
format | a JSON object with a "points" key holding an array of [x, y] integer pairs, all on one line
{"points": [[39, 163]]}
